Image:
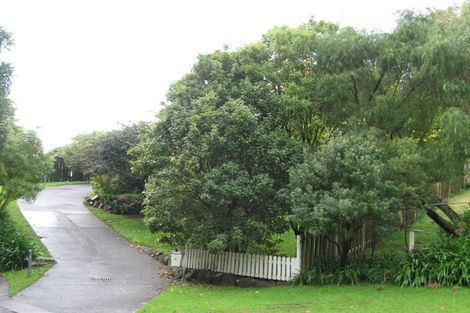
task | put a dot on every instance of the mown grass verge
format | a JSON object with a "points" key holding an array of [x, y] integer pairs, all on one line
{"points": [[202, 298], [133, 229], [18, 280], [62, 183]]}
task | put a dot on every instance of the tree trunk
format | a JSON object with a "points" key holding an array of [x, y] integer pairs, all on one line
{"points": [[451, 214], [344, 251], [445, 225]]}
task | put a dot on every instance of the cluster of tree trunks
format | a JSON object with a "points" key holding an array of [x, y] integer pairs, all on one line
{"points": [[63, 173]]}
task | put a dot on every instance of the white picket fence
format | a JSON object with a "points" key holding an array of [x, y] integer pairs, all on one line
{"points": [[243, 264]]}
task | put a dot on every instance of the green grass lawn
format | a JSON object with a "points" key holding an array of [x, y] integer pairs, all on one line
{"points": [[19, 280], [461, 196], [361, 299], [62, 183], [133, 229]]}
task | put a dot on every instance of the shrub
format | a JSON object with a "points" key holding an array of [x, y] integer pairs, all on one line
{"points": [[378, 269], [106, 186], [444, 262], [13, 246], [126, 204]]}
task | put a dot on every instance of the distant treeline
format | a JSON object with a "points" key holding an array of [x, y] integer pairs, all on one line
{"points": [[61, 172]]}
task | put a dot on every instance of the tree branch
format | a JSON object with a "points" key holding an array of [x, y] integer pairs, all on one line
{"points": [[382, 75], [445, 225], [451, 214]]}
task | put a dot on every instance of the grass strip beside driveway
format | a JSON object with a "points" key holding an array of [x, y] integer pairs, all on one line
{"points": [[133, 229], [19, 280], [189, 298]]}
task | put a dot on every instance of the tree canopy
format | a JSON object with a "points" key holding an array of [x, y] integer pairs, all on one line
{"points": [[22, 162], [340, 187], [216, 173], [22, 167], [104, 156], [219, 155], [6, 70]]}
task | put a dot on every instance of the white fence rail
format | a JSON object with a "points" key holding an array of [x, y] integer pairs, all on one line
{"points": [[244, 264]]}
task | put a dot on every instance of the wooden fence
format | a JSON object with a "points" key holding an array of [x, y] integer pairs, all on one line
{"points": [[243, 264], [310, 249], [466, 173], [445, 190], [316, 248]]}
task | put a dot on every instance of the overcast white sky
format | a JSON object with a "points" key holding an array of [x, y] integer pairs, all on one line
{"points": [[87, 65]]}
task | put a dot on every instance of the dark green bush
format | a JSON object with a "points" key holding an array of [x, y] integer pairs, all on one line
{"points": [[377, 269], [13, 246], [318, 275], [126, 204], [445, 261], [107, 187], [465, 216]]}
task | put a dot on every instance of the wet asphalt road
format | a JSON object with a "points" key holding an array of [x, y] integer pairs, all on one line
{"points": [[96, 270]]}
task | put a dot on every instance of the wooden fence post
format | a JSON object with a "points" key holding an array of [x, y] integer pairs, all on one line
{"points": [[298, 258], [411, 241]]}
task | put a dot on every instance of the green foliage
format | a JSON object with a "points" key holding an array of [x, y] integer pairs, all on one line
{"points": [[450, 145], [341, 186], [381, 269], [6, 71], [18, 280], [109, 156], [22, 166], [77, 154], [22, 227], [219, 155], [217, 171], [14, 246], [106, 186], [444, 262], [466, 216], [407, 168], [104, 155], [133, 229]]}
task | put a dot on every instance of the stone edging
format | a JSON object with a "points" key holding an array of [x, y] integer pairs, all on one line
{"points": [[161, 257]]}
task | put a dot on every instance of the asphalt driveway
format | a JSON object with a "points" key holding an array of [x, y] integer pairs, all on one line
{"points": [[97, 270]]}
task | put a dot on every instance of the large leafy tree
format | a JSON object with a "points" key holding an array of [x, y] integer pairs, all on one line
{"points": [[77, 155], [108, 161], [22, 163], [411, 83], [22, 167], [104, 156], [340, 187], [302, 86], [215, 175], [6, 110]]}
